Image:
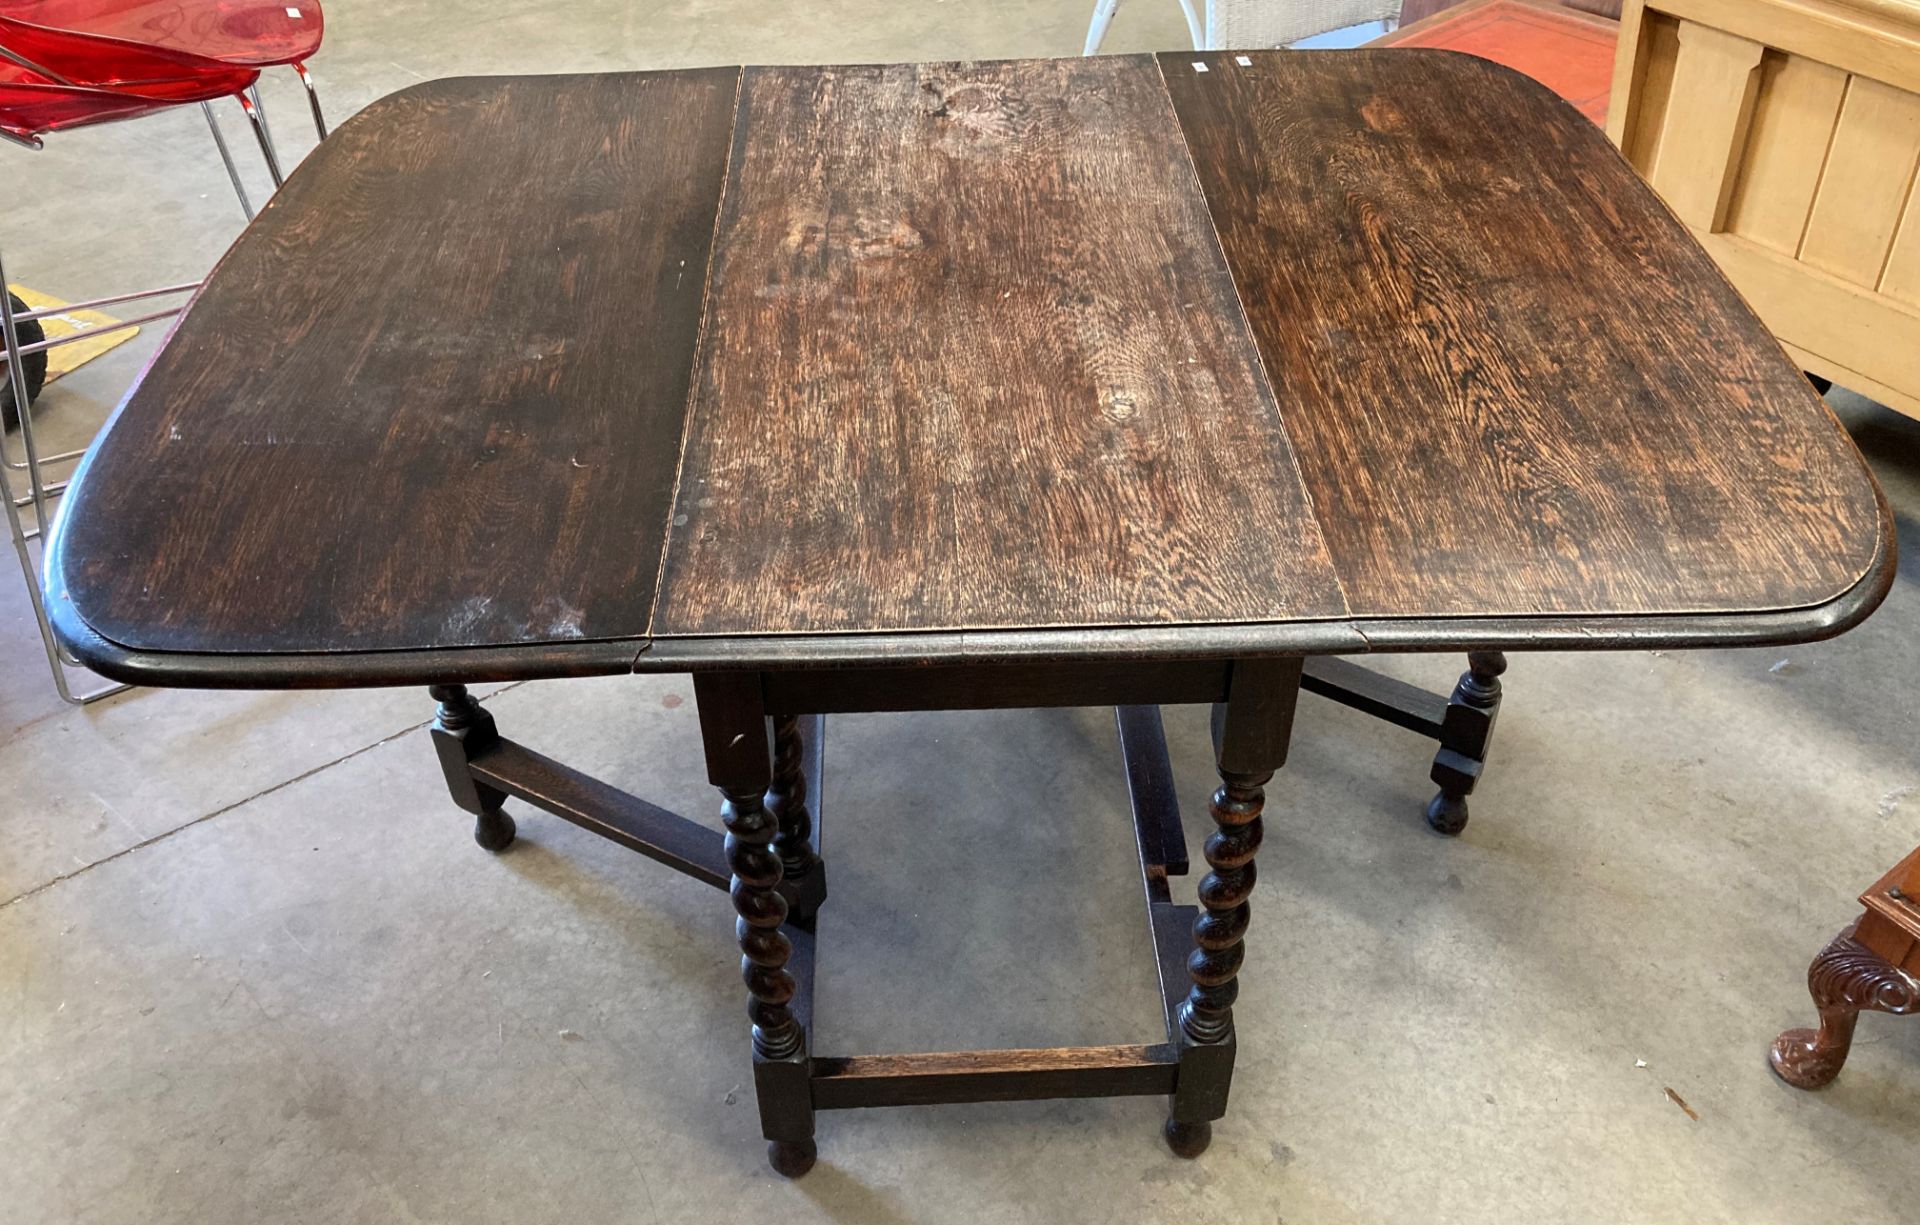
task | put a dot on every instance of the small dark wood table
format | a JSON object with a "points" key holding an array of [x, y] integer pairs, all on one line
{"points": [[1114, 381]]}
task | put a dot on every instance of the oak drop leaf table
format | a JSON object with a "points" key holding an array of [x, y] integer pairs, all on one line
{"points": [[1119, 381]]}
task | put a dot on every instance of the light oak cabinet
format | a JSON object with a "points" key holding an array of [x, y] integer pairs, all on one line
{"points": [[1786, 133]]}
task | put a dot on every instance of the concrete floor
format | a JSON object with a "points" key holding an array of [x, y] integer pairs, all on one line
{"points": [[255, 971]]}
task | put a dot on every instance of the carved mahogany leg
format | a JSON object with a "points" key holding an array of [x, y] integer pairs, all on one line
{"points": [[461, 728], [804, 880], [1464, 735], [1250, 733], [1845, 978], [733, 725]]}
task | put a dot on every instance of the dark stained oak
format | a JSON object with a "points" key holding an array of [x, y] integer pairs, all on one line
{"points": [[508, 769], [1515, 384], [974, 360], [880, 388], [430, 399], [959, 366], [993, 1076]]}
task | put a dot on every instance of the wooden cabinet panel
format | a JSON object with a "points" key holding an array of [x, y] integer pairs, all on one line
{"points": [[1793, 119], [1786, 133], [1642, 83], [1902, 278], [1706, 122], [1844, 322], [1871, 38], [1865, 188]]}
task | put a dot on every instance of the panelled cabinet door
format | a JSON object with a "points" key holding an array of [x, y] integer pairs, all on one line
{"points": [[1788, 137]]}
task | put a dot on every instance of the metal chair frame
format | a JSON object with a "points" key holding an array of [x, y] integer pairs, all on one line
{"points": [[40, 492]]}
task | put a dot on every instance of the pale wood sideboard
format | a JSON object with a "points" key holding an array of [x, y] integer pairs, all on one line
{"points": [[1786, 133]]}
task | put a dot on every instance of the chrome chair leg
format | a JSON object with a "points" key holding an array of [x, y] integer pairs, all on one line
{"points": [[226, 158], [1097, 28], [40, 492], [260, 104], [30, 573], [313, 100], [17, 379], [1199, 25], [260, 133]]}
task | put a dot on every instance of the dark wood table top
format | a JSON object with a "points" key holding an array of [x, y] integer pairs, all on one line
{"points": [[1263, 352]]}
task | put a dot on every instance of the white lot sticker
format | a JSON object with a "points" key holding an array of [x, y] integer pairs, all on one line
{"points": [[1243, 61], [294, 13], [1198, 66]]}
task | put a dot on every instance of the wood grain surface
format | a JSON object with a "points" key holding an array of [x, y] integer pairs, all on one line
{"points": [[971, 374], [1567, 50], [974, 360], [430, 398], [1515, 384]]}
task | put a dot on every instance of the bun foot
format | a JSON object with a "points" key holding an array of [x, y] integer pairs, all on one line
{"points": [[1798, 1059], [791, 1158], [1447, 814], [1188, 1140], [494, 830]]}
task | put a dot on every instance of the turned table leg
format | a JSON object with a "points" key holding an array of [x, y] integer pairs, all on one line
{"points": [[1464, 736], [1250, 733], [804, 881], [1846, 978], [462, 728], [733, 725]]}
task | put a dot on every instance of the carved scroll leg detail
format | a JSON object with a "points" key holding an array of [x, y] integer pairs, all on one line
{"points": [[1465, 734], [462, 728], [803, 879], [1844, 980]]}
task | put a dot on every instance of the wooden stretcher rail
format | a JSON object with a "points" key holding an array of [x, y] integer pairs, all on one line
{"points": [[994, 1076], [685, 846], [848, 1082], [1383, 697]]}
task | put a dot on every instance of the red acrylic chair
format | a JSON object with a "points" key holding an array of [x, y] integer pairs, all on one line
{"points": [[238, 33], [96, 61], [33, 104]]}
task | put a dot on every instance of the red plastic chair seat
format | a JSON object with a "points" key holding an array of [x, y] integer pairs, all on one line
{"points": [[68, 57], [31, 104], [253, 33]]}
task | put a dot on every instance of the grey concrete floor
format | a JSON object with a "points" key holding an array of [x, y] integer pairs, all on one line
{"points": [[255, 971]]}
